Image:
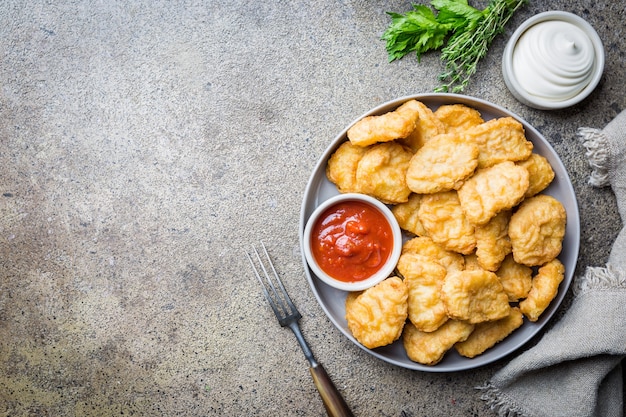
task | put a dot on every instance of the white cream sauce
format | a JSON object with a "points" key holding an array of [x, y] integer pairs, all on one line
{"points": [[554, 60]]}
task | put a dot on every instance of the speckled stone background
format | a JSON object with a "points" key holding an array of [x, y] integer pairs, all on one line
{"points": [[145, 144]]}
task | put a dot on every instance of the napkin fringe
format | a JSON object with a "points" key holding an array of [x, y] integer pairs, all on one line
{"points": [[599, 278], [597, 154], [492, 397]]}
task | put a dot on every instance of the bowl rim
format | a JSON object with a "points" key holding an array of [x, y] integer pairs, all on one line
{"points": [[388, 266], [538, 102]]}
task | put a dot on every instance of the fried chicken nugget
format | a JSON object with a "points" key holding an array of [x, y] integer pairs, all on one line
{"points": [[445, 222], [430, 348], [544, 289], [386, 127], [424, 246], [406, 215], [537, 230], [342, 165], [486, 335], [516, 279], [423, 277], [492, 190], [427, 127], [492, 241], [474, 296], [458, 118], [441, 164], [541, 174], [381, 172], [499, 140], [377, 315]]}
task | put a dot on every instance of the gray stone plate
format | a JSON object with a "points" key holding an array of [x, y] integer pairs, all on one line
{"points": [[332, 300]]}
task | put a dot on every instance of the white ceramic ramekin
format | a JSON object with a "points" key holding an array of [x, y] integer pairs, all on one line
{"points": [[540, 102], [382, 273]]}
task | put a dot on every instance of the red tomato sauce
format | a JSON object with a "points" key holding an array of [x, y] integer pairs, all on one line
{"points": [[351, 241]]}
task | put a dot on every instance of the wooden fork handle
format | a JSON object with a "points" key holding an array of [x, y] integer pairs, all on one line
{"points": [[333, 401]]}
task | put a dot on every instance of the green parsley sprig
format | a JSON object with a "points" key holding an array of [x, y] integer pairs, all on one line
{"points": [[462, 32]]}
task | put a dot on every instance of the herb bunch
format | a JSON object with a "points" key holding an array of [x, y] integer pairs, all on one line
{"points": [[462, 33]]}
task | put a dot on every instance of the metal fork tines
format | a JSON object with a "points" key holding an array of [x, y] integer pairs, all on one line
{"points": [[284, 309], [288, 316]]}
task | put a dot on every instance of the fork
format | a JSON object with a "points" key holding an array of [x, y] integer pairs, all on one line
{"points": [[288, 316]]}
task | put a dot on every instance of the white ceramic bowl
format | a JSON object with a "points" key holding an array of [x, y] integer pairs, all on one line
{"points": [[384, 272], [536, 101]]}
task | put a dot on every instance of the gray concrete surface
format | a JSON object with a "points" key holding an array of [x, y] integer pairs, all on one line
{"points": [[145, 144]]}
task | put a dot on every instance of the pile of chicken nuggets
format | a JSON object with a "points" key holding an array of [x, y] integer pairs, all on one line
{"points": [[482, 240]]}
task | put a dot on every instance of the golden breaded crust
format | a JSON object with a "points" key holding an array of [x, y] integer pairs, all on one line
{"points": [[540, 173], [430, 348], [427, 127], [424, 246], [537, 230], [516, 279], [499, 140], [474, 296], [471, 262], [396, 124], [406, 215], [544, 288], [486, 335], [381, 172], [423, 277], [458, 118], [377, 315], [342, 165], [492, 241], [445, 222], [492, 190], [441, 165]]}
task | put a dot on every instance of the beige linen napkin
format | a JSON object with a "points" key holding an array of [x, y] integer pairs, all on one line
{"points": [[575, 369]]}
